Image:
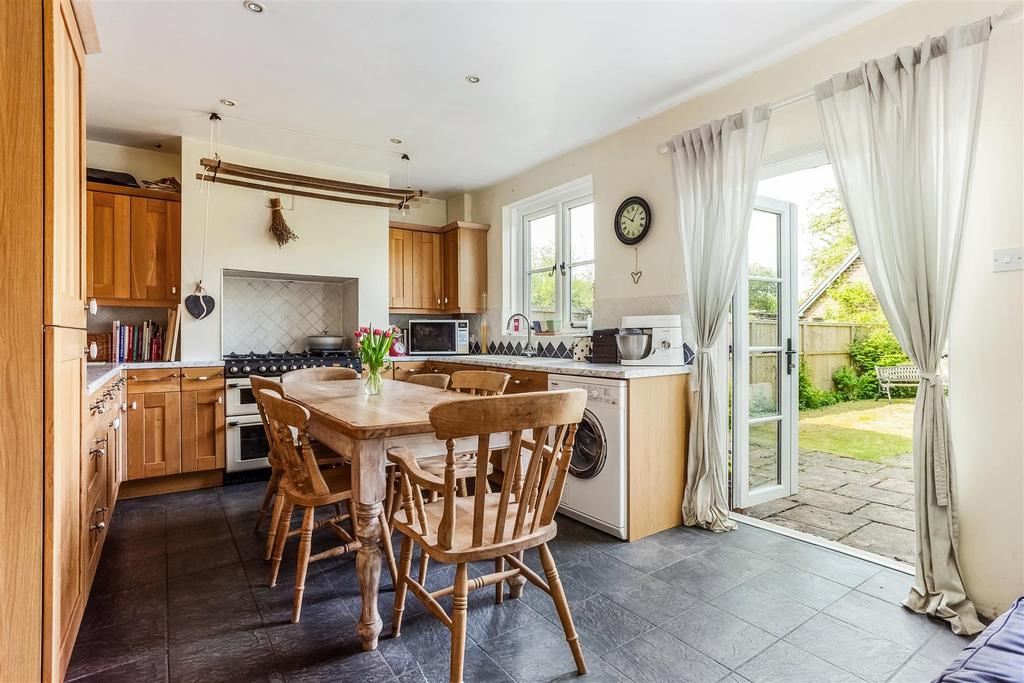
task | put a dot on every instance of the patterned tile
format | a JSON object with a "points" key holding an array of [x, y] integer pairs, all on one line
{"points": [[274, 315]]}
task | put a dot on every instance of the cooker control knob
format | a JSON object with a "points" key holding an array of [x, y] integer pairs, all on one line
{"points": [[303, 366], [294, 366], [273, 368], [594, 393], [246, 369], [233, 369], [262, 369]]}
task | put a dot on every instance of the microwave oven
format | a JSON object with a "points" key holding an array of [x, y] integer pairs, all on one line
{"points": [[438, 337]]}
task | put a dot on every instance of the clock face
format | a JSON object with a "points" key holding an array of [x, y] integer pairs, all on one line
{"points": [[632, 220]]}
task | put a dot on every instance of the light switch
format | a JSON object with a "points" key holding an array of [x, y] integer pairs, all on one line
{"points": [[1007, 259]]}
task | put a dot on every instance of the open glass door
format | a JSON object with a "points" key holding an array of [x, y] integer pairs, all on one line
{"points": [[765, 362]]}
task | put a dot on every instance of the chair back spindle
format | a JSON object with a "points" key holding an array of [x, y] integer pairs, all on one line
{"points": [[319, 375], [480, 382], [260, 384], [295, 454]]}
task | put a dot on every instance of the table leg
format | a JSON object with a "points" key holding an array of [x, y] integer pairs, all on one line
{"points": [[368, 493]]}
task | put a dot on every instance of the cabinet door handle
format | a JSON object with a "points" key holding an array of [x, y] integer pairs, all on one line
{"points": [[135, 405], [98, 527], [91, 306], [220, 400], [90, 350], [522, 381], [174, 290], [446, 299], [136, 378]]}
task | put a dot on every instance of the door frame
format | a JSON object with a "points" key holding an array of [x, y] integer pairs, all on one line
{"points": [[789, 451]]}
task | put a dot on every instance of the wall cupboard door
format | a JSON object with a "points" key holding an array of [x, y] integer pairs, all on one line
{"points": [[109, 245], [64, 158], [465, 270], [154, 435], [155, 250], [450, 300], [400, 270], [202, 430], [427, 270], [63, 494]]}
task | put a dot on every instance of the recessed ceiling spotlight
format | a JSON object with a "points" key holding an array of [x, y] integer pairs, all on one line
{"points": [[227, 103], [396, 141], [472, 79], [254, 7]]}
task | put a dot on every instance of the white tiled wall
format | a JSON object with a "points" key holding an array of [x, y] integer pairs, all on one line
{"points": [[276, 315]]}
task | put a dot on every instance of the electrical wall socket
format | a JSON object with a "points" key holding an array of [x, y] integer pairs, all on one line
{"points": [[1007, 259]]}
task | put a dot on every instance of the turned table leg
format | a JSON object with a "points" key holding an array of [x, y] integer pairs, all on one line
{"points": [[368, 493]]}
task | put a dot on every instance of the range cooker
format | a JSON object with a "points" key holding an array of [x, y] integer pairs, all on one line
{"points": [[246, 442]]}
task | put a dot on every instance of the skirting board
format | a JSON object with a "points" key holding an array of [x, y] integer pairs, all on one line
{"points": [[173, 483]]}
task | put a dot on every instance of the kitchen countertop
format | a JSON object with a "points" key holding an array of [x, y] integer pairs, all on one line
{"points": [[557, 366], [98, 374]]}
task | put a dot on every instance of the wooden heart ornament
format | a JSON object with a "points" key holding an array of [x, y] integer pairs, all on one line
{"points": [[199, 304], [636, 275]]}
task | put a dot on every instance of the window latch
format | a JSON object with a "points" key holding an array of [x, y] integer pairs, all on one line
{"points": [[553, 269], [562, 267]]}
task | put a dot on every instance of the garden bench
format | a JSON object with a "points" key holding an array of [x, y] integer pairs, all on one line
{"points": [[907, 375]]}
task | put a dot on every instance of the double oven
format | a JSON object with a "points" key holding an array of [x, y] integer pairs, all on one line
{"points": [[246, 441]]}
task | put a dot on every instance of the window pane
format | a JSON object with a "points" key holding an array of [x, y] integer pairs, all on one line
{"points": [[764, 313], [542, 296], [581, 233], [542, 242], [764, 384], [764, 454], [763, 244], [581, 293]]}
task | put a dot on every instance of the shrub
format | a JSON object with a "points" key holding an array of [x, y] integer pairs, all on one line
{"points": [[878, 348], [811, 397], [845, 381], [867, 386]]}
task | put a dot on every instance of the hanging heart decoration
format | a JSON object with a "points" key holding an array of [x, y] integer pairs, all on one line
{"points": [[199, 304], [636, 275]]}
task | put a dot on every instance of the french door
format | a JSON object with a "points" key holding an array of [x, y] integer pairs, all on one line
{"points": [[765, 359]]}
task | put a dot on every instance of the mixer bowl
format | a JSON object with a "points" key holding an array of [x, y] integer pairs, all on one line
{"points": [[633, 346]]}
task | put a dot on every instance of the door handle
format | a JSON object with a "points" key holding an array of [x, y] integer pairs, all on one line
{"points": [[790, 353]]}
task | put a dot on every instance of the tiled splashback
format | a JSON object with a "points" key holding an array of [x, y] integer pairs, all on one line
{"points": [[277, 315]]}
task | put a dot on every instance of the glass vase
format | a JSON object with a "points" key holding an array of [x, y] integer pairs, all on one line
{"points": [[374, 384]]}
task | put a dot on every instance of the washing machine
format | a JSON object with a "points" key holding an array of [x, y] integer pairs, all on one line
{"points": [[595, 490]]}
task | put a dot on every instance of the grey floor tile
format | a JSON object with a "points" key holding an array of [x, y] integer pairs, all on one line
{"points": [[806, 588], [757, 540], [100, 649], [711, 573], [476, 666], [603, 626], [207, 555], [151, 669], [945, 645], [860, 652], [726, 639], [832, 565], [888, 585], [893, 623], [235, 656], [207, 586], [535, 652], [918, 669], [785, 663], [146, 602], [235, 612], [341, 665], [645, 555], [486, 619], [764, 607], [423, 637], [653, 600], [541, 602], [658, 656], [685, 541]]}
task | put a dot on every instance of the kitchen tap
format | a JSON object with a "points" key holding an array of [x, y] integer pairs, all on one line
{"points": [[529, 351]]}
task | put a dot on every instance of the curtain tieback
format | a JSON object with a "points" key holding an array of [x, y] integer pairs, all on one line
{"points": [[940, 455], [695, 380], [932, 378]]}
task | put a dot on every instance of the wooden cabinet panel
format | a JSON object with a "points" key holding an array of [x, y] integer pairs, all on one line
{"points": [[465, 270], [202, 430], [154, 435], [63, 494], [427, 271], [400, 271], [155, 250], [64, 157], [195, 379], [153, 380], [404, 370], [523, 381], [450, 300], [109, 239]]}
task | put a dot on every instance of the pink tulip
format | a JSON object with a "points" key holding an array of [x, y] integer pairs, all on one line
{"points": [[387, 333], [358, 334], [377, 332]]}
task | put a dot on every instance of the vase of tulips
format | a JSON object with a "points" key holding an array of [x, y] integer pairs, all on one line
{"points": [[373, 345]]}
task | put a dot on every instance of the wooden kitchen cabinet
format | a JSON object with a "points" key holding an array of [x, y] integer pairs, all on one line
{"points": [[133, 246], [438, 269], [109, 245], [202, 430], [154, 434], [406, 369]]}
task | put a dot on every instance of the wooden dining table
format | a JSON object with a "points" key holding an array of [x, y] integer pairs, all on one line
{"points": [[363, 427]]}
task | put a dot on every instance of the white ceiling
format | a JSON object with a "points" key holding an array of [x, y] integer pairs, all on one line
{"points": [[554, 76]]}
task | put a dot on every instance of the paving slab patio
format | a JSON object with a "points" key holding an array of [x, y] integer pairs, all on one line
{"points": [[862, 504]]}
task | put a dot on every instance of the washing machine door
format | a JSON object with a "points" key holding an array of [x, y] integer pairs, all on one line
{"points": [[590, 450]]}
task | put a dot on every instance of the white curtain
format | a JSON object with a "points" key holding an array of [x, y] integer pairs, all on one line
{"points": [[900, 133], [715, 168]]}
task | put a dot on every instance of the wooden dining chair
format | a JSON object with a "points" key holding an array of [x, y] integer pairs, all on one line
{"points": [[495, 526], [307, 487], [273, 497], [480, 382], [438, 380], [319, 375]]}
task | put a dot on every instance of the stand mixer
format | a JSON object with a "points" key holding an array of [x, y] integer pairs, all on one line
{"points": [[650, 340]]}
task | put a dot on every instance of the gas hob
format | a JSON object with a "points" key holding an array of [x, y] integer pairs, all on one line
{"points": [[274, 364]]}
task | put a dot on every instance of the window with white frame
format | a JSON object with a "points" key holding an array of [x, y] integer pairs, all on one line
{"points": [[552, 237]]}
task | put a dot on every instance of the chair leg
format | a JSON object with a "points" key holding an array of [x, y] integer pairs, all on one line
{"points": [[275, 518], [389, 550], [516, 583], [390, 493], [562, 605], [499, 588], [404, 567], [268, 498], [283, 525], [424, 563], [460, 602], [302, 564]]}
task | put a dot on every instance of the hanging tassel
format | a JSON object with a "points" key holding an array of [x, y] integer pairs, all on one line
{"points": [[278, 228]]}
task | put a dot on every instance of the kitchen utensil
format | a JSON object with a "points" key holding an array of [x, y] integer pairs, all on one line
{"points": [[633, 346], [325, 342]]}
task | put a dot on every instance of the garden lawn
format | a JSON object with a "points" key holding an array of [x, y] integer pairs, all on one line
{"points": [[866, 430]]}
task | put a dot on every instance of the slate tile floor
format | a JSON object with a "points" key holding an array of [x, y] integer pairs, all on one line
{"points": [[181, 595]]}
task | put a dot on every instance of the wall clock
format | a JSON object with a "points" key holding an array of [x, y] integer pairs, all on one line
{"points": [[633, 220]]}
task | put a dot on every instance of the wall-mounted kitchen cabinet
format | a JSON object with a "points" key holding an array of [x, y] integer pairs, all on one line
{"points": [[438, 269], [134, 246]]}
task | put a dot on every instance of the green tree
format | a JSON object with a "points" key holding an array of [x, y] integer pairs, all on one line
{"points": [[854, 302], [831, 237], [764, 299]]}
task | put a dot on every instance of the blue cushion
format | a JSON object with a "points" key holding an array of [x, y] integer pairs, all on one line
{"points": [[995, 656]]}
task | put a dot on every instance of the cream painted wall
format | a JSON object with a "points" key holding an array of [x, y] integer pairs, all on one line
{"points": [[339, 240], [987, 416], [144, 164], [425, 211]]}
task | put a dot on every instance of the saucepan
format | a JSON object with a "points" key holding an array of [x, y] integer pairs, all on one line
{"points": [[325, 342]]}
